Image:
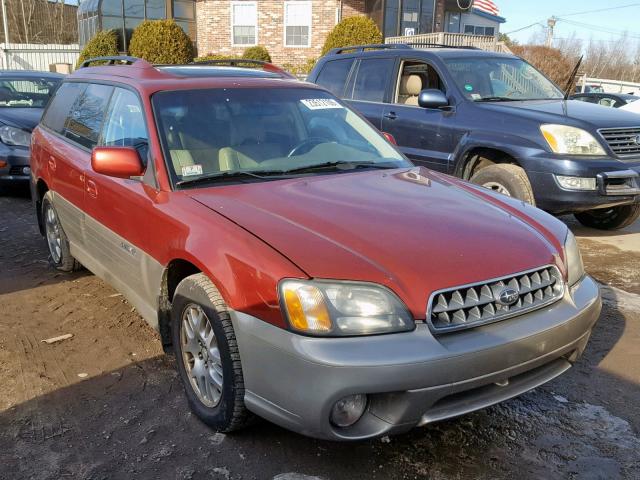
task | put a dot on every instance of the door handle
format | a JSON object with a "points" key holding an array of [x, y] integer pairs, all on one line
{"points": [[391, 115], [92, 190], [52, 163]]}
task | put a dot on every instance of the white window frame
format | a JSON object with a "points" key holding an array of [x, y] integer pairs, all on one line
{"points": [[308, 4], [255, 24]]}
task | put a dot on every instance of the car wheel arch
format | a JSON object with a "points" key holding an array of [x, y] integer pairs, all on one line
{"points": [[476, 158], [41, 189]]}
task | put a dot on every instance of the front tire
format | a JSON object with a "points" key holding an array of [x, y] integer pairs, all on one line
{"points": [[613, 218], [57, 241], [505, 178], [207, 355]]}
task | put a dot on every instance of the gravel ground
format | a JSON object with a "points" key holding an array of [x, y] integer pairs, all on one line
{"points": [[107, 403]]}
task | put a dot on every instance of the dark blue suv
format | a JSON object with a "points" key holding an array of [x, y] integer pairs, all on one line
{"points": [[495, 120]]}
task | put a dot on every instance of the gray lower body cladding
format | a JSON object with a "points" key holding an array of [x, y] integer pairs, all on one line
{"points": [[411, 378]]}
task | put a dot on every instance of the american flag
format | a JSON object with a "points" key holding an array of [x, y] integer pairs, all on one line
{"points": [[486, 6]]}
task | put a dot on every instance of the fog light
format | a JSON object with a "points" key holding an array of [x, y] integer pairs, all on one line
{"points": [[26, 170], [576, 183], [348, 410]]}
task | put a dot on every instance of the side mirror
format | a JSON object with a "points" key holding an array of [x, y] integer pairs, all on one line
{"points": [[120, 162], [432, 98]]}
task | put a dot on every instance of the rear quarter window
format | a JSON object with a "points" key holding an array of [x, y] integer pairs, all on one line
{"points": [[59, 108], [334, 74]]}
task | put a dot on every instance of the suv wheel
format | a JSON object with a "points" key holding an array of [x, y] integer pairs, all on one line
{"points": [[610, 218], [59, 251], [207, 354], [507, 179]]}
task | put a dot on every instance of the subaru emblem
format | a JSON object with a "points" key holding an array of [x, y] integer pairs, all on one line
{"points": [[507, 296]]}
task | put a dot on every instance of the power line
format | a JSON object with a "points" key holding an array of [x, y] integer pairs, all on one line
{"points": [[602, 29], [599, 10], [524, 28]]}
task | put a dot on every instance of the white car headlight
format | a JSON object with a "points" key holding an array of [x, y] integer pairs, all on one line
{"points": [[571, 141], [331, 308], [573, 259], [14, 136]]}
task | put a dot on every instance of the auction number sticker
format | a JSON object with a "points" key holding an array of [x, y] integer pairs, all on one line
{"points": [[320, 103], [190, 170]]}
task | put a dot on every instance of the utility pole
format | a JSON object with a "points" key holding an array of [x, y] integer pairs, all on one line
{"points": [[6, 34], [551, 23]]}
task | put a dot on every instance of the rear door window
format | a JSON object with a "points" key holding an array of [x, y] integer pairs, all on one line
{"points": [[59, 109], [372, 79], [334, 75], [87, 115]]}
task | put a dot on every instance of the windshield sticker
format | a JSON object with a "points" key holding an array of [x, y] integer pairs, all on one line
{"points": [[468, 87], [191, 170], [320, 103], [476, 96]]}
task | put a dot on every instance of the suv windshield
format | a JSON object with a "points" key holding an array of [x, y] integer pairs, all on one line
{"points": [[222, 133], [26, 92], [501, 79]]}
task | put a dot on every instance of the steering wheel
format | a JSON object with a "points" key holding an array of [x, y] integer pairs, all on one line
{"points": [[308, 143]]}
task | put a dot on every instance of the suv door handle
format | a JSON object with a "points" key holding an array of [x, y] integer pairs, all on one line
{"points": [[92, 190], [391, 115]]}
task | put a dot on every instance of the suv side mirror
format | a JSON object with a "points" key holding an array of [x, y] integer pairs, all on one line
{"points": [[432, 98], [120, 162]]}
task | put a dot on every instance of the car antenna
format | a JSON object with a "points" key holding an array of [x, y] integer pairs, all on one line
{"points": [[567, 89]]}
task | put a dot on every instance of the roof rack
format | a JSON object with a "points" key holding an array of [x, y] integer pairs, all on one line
{"points": [[244, 62], [125, 59], [439, 45], [363, 48]]}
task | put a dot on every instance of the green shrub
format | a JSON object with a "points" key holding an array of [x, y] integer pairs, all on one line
{"points": [[213, 56], [352, 31], [257, 53], [161, 41], [103, 44]]}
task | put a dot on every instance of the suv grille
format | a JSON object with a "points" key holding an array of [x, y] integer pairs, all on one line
{"points": [[623, 141], [479, 304], [16, 170]]}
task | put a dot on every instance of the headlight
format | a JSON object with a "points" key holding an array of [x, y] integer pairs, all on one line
{"points": [[14, 136], [570, 140], [327, 308], [573, 260]]}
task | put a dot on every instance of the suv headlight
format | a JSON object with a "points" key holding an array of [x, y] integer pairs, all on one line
{"points": [[571, 141], [14, 136], [573, 259], [332, 308]]}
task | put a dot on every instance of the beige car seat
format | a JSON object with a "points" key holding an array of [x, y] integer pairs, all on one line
{"points": [[410, 88]]}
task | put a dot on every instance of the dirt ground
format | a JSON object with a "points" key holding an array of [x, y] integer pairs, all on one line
{"points": [[107, 403]]}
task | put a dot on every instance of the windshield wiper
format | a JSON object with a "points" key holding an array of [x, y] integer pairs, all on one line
{"points": [[340, 166], [231, 175], [497, 99]]}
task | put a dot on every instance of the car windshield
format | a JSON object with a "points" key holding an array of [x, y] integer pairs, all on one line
{"points": [[501, 79], [255, 132], [21, 92]]}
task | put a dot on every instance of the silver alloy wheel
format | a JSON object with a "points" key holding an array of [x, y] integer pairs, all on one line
{"points": [[201, 355], [497, 187], [52, 230]]}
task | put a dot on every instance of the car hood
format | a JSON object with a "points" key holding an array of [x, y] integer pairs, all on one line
{"points": [[413, 230], [25, 118], [570, 112]]}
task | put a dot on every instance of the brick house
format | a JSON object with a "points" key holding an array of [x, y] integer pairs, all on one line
{"points": [[294, 30]]}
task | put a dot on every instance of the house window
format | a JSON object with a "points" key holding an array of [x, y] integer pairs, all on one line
{"points": [[297, 24], [476, 30], [244, 21]]}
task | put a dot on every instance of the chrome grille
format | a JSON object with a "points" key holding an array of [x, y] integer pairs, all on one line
{"points": [[479, 304], [623, 141]]}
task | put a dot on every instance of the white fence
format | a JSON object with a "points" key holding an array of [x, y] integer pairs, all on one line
{"points": [[31, 56], [452, 39]]}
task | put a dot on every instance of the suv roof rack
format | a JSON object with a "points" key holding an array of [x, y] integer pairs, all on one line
{"points": [[127, 60], [244, 62], [363, 48]]}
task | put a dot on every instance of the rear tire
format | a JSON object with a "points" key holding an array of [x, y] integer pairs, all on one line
{"points": [[505, 178], [613, 218], [207, 355], [57, 242]]}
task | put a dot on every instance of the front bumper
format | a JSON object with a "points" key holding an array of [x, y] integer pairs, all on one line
{"points": [[411, 378], [14, 165], [618, 183]]}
